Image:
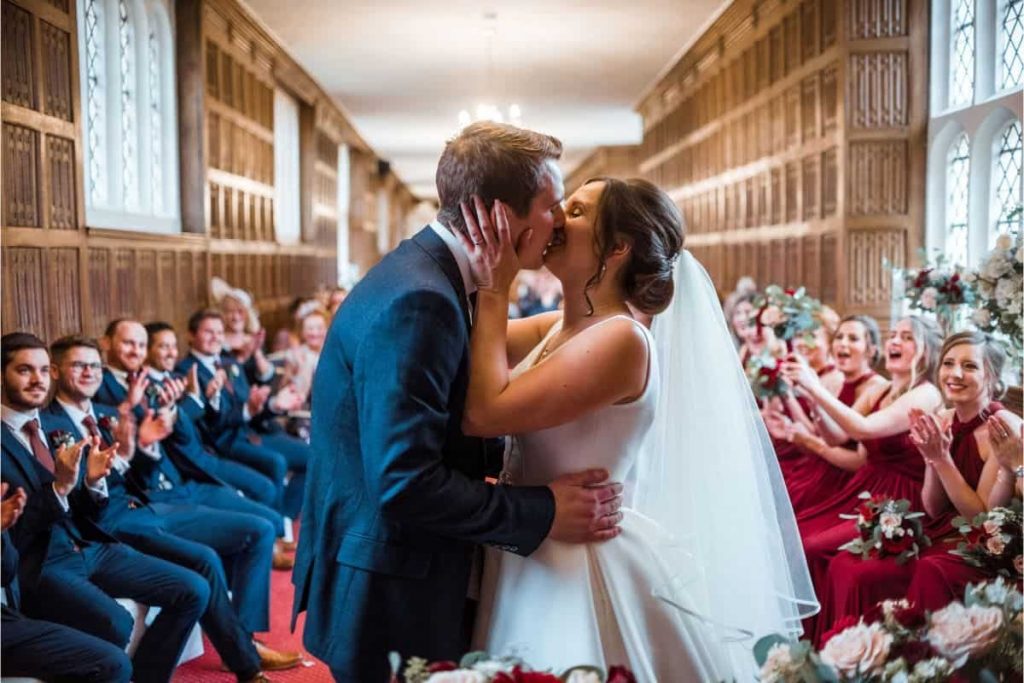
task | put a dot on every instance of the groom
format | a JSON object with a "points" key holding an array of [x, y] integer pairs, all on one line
{"points": [[395, 500]]}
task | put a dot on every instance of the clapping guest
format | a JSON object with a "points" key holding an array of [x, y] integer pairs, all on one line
{"points": [[879, 420], [162, 356], [300, 361], [335, 299], [965, 450], [156, 508], [40, 649], [243, 335], [71, 570]]}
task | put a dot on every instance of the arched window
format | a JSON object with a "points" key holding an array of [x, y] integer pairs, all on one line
{"points": [[130, 115], [1011, 43], [1007, 160], [958, 169], [961, 59]]}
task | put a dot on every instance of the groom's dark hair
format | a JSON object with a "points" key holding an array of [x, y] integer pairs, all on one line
{"points": [[493, 161]]}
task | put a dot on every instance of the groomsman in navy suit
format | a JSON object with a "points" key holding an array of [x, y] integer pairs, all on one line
{"points": [[174, 527], [40, 649], [241, 417], [162, 357], [71, 570]]}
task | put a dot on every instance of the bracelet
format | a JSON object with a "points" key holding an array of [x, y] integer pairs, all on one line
{"points": [[1019, 472]]}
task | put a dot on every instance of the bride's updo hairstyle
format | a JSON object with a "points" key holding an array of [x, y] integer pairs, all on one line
{"points": [[636, 212]]}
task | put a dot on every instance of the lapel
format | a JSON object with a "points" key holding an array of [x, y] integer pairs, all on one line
{"points": [[25, 461], [59, 419], [113, 387], [427, 240]]}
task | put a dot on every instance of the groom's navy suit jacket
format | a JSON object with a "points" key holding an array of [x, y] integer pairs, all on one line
{"points": [[395, 499]]}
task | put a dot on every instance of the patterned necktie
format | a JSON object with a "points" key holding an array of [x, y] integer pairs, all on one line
{"points": [[94, 430], [39, 449]]}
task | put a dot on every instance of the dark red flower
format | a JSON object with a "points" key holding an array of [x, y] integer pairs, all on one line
{"points": [[520, 676], [867, 511], [502, 677], [620, 674], [913, 651], [922, 278], [61, 438], [838, 627], [912, 617], [790, 291], [435, 667], [897, 545], [976, 536]]}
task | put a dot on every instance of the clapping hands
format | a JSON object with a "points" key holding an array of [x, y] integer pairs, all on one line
{"points": [[932, 437], [11, 507]]}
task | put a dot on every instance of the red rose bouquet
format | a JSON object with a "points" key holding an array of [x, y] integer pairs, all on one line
{"points": [[886, 528]]}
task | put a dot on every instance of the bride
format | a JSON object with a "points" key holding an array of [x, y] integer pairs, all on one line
{"points": [[708, 558]]}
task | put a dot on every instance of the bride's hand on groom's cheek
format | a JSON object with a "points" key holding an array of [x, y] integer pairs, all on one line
{"points": [[488, 243], [586, 507]]}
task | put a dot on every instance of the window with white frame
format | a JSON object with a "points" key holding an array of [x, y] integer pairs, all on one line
{"points": [[1006, 179], [130, 115], [974, 131], [287, 169], [1011, 44], [958, 168], [961, 72]]}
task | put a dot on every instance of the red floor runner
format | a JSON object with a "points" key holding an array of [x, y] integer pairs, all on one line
{"points": [[206, 669]]}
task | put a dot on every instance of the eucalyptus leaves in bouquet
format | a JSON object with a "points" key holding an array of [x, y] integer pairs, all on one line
{"points": [[790, 313]]}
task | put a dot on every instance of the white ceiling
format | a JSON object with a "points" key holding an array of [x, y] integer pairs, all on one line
{"points": [[403, 69]]}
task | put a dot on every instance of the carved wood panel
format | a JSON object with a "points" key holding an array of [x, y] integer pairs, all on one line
{"points": [[877, 177], [877, 18], [877, 94], [21, 176], [99, 289], [148, 294], [19, 82], [60, 155], [870, 280], [56, 54], [64, 294], [124, 301], [24, 291]]}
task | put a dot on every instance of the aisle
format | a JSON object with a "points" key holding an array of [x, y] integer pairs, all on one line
{"points": [[206, 669]]}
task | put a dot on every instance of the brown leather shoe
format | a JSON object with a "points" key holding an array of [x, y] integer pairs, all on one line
{"points": [[283, 561], [274, 660]]}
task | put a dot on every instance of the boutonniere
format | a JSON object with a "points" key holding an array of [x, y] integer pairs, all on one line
{"points": [[61, 439], [108, 422], [234, 370]]}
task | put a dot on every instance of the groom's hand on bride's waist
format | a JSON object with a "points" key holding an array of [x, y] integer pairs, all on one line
{"points": [[586, 507]]}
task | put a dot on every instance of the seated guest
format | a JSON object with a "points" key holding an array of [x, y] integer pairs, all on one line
{"points": [[300, 362], [965, 450], [71, 570], [243, 334], [181, 477], [39, 649], [855, 348], [165, 521], [880, 420], [241, 417], [162, 357], [335, 299]]}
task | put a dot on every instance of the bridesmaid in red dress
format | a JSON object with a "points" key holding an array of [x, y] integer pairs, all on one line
{"points": [[880, 420], [971, 468], [829, 461], [959, 477]]}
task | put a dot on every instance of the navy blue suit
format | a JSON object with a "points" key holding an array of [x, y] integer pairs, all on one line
{"points": [[259, 443], [74, 575], [228, 547], [396, 501], [41, 649]]}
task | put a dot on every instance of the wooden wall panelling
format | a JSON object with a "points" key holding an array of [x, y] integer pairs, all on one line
{"points": [[870, 284], [24, 291], [64, 286], [100, 289]]}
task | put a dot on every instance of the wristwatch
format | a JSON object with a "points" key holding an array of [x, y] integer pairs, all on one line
{"points": [[1019, 472]]}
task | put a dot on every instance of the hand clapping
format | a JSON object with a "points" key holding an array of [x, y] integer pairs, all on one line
{"points": [[932, 438], [11, 507], [1007, 445]]}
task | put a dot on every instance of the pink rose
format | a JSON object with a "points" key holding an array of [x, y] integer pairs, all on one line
{"points": [[860, 649], [778, 665], [995, 545], [929, 298], [958, 632], [991, 527]]}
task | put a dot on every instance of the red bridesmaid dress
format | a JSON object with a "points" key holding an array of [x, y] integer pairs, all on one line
{"points": [[816, 479], [853, 585]]}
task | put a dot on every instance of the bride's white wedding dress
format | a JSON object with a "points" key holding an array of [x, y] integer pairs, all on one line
{"points": [[570, 604]]}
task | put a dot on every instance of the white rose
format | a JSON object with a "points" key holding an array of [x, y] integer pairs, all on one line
{"points": [[860, 649], [991, 527], [890, 523], [457, 676], [982, 318], [491, 668], [1005, 291], [578, 676], [936, 277], [1004, 243], [931, 669], [777, 664], [929, 298], [995, 545], [957, 631]]}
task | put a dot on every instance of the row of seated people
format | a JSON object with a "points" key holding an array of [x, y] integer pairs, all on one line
{"points": [[932, 433], [141, 475]]}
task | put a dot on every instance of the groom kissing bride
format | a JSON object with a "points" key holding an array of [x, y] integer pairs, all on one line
{"points": [[421, 362]]}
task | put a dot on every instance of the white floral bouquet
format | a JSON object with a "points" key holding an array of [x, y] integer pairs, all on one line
{"points": [[999, 283], [886, 528], [938, 289], [992, 540], [480, 667], [978, 639]]}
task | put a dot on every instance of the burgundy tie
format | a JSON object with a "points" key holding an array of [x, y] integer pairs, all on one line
{"points": [[132, 376], [94, 430], [228, 384], [39, 449]]}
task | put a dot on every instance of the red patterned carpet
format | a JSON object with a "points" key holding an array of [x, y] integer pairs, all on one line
{"points": [[206, 669]]}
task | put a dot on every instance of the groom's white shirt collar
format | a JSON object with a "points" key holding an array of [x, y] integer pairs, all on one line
{"points": [[461, 257]]}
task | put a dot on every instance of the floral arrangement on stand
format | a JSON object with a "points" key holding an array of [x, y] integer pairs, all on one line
{"points": [[480, 667], [938, 288], [790, 313], [999, 285], [887, 528], [992, 541], [978, 639]]}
